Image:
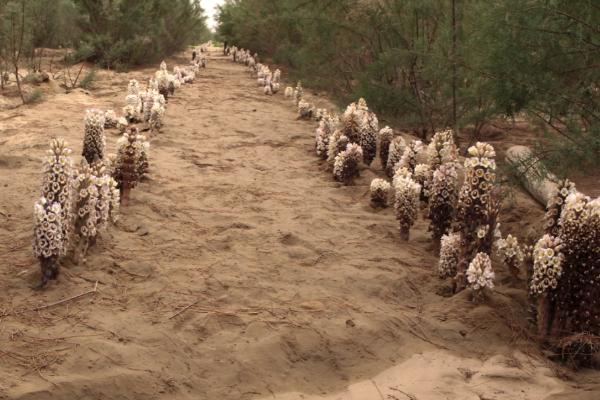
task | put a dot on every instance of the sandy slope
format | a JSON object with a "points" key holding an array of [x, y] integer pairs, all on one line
{"points": [[301, 290]]}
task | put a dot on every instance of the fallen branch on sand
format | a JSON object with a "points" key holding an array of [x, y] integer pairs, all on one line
{"points": [[94, 290], [185, 308]]}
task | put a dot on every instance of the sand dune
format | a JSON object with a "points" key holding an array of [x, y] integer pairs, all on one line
{"points": [[295, 287]]}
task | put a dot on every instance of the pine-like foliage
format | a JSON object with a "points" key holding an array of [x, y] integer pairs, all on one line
{"points": [[398, 56], [121, 33], [94, 141]]}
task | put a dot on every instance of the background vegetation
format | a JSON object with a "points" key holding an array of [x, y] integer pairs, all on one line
{"points": [[443, 63], [112, 33]]}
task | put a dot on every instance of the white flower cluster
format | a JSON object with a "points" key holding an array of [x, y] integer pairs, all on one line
{"points": [[265, 78], [110, 119], [579, 287], [268, 88], [148, 97], [442, 199], [132, 159], [395, 151], [449, 255], [86, 199], [547, 264], [482, 154], [94, 141], [480, 274], [409, 157], [386, 135], [406, 204], [305, 110], [178, 77], [57, 180], [369, 129], [48, 230], [289, 92], [157, 113], [328, 124], [442, 149], [142, 164], [96, 202], [162, 80], [337, 143], [345, 166], [133, 103], [298, 94], [107, 204], [320, 113], [122, 124], [555, 205], [423, 175], [401, 173], [133, 88], [380, 192], [199, 62], [474, 196], [511, 254]]}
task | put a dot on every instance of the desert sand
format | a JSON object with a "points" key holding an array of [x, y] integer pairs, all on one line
{"points": [[241, 270]]}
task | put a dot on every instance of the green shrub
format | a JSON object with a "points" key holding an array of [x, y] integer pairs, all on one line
{"points": [[88, 79], [34, 96], [133, 32]]}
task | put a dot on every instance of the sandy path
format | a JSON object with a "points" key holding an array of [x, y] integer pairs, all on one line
{"points": [[302, 289]]}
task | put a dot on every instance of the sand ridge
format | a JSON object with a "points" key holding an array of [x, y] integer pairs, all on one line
{"points": [[295, 287]]}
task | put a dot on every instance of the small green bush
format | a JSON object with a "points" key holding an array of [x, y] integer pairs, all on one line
{"points": [[88, 79], [33, 96]]}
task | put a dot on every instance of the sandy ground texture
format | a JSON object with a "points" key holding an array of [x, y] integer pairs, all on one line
{"points": [[241, 270]]}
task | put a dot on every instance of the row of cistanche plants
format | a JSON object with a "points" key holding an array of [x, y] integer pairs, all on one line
{"points": [[462, 201], [79, 202]]}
